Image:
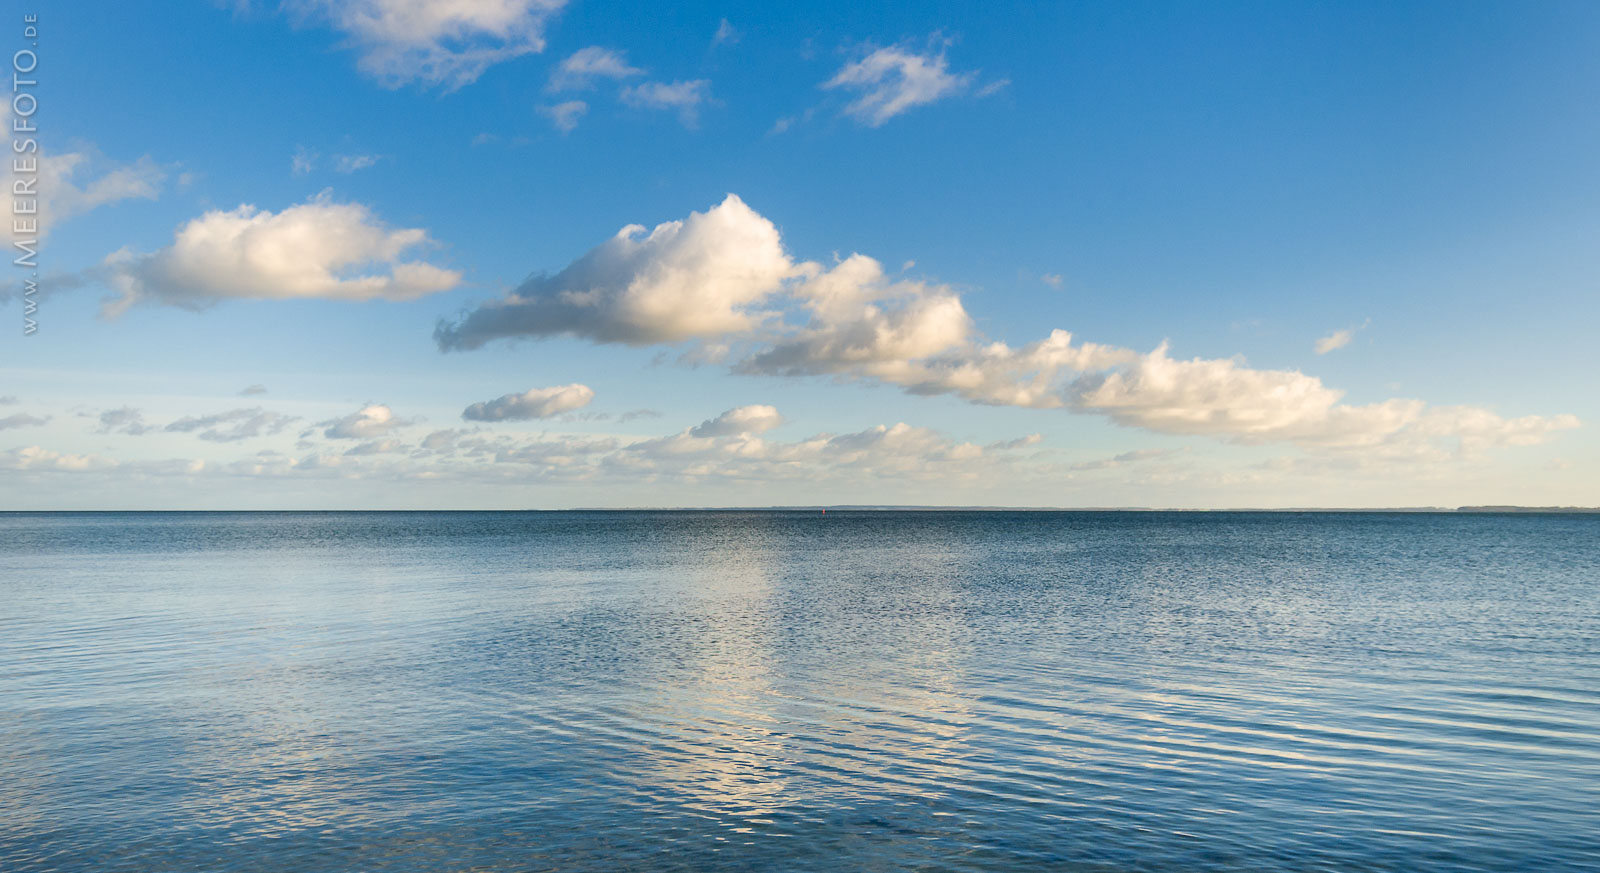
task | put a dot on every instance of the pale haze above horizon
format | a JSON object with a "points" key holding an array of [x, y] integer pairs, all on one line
{"points": [[543, 254]]}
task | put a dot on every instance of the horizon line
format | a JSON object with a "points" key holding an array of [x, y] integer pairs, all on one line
{"points": [[867, 507]]}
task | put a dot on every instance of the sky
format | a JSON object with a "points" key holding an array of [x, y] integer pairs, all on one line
{"points": [[505, 254]]}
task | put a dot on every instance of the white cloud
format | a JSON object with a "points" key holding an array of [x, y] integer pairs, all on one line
{"points": [[744, 419], [303, 161], [584, 66], [1054, 280], [565, 115], [684, 96], [1225, 399], [886, 451], [894, 79], [917, 335], [435, 42], [1339, 338], [726, 34], [249, 390], [69, 184], [533, 403], [374, 420], [233, 425], [728, 447], [319, 249], [723, 280], [697, 278], [36, 458]]}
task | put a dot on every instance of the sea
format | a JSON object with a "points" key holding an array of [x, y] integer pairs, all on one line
{"points": [[799, 691]]}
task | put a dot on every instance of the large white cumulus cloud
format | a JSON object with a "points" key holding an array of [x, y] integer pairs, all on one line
{"points": [[723, 279], [319, 249], [699, 278]]}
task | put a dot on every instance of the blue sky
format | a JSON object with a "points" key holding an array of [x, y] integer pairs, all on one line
{"points": [[1307, 254]]}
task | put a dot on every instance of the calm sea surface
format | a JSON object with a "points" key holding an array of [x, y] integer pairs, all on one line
{"points": [[787, 691]]}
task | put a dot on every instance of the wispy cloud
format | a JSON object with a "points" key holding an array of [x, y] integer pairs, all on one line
{"points": [[22, 419], [125, 420], [233, 425], [354, 163], [580, 70], [446, 43], [565, 115], [892, 80], [684, 96]]}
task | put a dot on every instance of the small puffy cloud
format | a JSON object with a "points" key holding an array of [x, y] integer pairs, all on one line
{"points": [[1336, 340], [447, 43], [584, 66], [22, 419], [1054, 280], [233, 425], [531, 404], [320, 249], [303, 161], [250, 390], [124, 420], [636, 414], [684, 96], [1339, 338], [726, 34], [565, 115], [369, 422], [744, 419], [700, 277], [894, 79]]}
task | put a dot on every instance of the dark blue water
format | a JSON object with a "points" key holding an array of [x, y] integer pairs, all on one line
{"points": [[790, 692]]}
